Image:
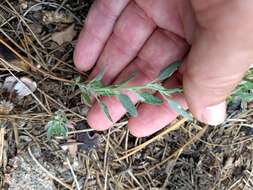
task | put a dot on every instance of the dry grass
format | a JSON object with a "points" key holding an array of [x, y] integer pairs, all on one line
{"points": [[183, 156]]}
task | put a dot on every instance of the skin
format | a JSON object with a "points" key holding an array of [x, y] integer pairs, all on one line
{"points": [[212, 37]]}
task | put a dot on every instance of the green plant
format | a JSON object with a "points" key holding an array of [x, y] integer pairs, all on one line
{"points": [[96, 89], [244, 91], [57, 125]]}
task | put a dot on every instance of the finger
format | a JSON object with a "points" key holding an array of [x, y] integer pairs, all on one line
{"points": [[97, 29], [220, 55], [174, 15], [152, 118], [162, 48], [132, 29], [213, 69]]}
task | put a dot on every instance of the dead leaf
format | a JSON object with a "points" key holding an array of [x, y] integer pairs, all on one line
{"points": [[21, 88], [50, 17], [71, 146], [6, 107], [9, 84], [229, 163], [37, 28], [25, 87], [66, 35], [250, 105], [73, 149], [23, 4]]}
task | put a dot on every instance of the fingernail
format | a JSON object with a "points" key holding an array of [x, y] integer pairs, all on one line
{"points": [[214, 115]]}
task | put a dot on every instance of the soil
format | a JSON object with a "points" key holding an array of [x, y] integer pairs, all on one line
{"points": [[193, 156]]}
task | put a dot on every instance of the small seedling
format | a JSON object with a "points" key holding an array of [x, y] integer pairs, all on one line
{"points": [[244, 90], [95, 88], [56, 127]]}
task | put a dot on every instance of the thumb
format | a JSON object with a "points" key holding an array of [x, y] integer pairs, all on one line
{"points": [[215, 65]]}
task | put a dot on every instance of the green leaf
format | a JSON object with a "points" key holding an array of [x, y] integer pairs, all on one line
{"points": [[247, 85], [149, 98], [169, 70], [105, 109], [128, 104], [171, 91], [57, 125], [179, 109], [96, 84], [86, 98], [246, 97], [56, 128], [78, 79], [50, 132], [155, 86], [106, 93]]}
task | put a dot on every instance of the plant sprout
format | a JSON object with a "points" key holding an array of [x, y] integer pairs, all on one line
{"points": [[56, 127], [95, 88], [244, 90]]}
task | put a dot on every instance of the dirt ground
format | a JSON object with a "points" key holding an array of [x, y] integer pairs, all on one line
{"points": [[37, 39]]}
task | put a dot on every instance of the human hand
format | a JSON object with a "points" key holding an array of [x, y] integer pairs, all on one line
{"points": [[140, 36]]}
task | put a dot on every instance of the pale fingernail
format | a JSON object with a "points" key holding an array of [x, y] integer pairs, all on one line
{"points": [[214, 115]]}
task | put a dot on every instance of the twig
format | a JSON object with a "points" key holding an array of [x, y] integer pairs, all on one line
{"points": [[74, 175], [64, 107], [2, 133], [105, 158], [171, 164], [16, 134], [22, 19], [80, 131], [32, 66], [135, 179]]}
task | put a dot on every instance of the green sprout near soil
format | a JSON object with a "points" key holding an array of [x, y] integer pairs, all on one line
{"points": [[96, 89], [56, 127], [244, 90]]}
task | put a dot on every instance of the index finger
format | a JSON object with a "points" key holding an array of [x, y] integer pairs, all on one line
{"points": [[97, 29]]}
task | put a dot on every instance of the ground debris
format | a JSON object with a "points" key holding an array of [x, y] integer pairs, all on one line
{"points": [[44, 33], [27, 175], [11, 59], [65, 35]]}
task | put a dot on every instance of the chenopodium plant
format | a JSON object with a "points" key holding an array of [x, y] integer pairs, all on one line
{"points": [[95, 88], [244, 91], [56, 127]]}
